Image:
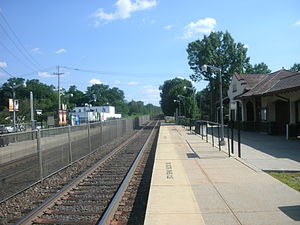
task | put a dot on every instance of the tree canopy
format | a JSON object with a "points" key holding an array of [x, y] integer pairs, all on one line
{"points": [[46, 99], [260, 68], [173, 93], [295, 67], [218, 49]]}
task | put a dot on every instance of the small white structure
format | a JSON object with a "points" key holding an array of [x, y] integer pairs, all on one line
{"points": [[89, 113]]}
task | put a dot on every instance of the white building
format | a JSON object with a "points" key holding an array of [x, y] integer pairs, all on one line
{"points": [[89, 113]]}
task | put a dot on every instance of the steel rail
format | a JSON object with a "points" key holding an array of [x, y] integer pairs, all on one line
{"points": [[26, 220], [109, 213]]}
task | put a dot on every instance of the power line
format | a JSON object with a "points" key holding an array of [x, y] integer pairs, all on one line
{"points": [[17, 47], [6, 71], [28, 56], [42, 70], [17, 58], [113, 72]]}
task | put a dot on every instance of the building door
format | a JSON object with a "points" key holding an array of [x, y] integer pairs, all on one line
{"points": [[250, 111], [282, 114]]}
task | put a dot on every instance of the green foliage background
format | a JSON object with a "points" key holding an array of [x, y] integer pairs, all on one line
{"points": [[46, 99]]}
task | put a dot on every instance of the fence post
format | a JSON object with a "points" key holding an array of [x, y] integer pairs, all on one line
{"points": [[116, 132], [232, 141], [89, 137], [219, 137], [239, 129], [212, 135], [101, 134], [228, 140], [202, 130], [39, 151], [206, 131], [70, 145]]}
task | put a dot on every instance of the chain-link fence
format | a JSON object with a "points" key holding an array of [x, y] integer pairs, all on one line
{"points": [[31, 156]]}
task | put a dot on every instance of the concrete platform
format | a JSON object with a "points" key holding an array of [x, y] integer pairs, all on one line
{"points": [[194, 183]]}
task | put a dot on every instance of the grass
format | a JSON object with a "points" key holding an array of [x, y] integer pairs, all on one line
{"points": [[291, 179]]}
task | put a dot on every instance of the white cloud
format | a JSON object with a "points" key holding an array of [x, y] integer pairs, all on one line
{"points": [[132, 83], [36, 50], [124, 9], [297, 23], [60, 51], [3, 64], [95, 81], [117, 82], [2, 74], [246, 46], [150, 90], [168, 27], [45, 74], [182, 78], [204, 26]]}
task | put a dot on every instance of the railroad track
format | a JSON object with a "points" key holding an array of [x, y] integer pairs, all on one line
{"points": [[97, 192], [19, 175]]}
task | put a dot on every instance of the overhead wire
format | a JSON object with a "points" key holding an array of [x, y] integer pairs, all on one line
{"points": [[17, 58], [110, 72], [6, 71], [23, 51]]}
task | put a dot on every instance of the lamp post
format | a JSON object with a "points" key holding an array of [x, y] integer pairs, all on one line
{"points": [[179, 111], [204, 68], [14, 86], [177, 101]]}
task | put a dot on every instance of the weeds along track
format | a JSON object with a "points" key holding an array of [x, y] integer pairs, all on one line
{"points": [[86, 198]]}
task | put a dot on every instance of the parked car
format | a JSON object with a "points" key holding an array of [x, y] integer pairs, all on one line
{"points": [[9, 129], [3, 129]]}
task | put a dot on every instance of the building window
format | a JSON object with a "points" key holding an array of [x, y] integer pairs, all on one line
{"points": [[103, 110], [263, 114], [232, 113], [79, 110], [234, 88]]}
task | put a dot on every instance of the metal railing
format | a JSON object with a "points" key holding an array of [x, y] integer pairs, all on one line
{"points": [[211, 133]]}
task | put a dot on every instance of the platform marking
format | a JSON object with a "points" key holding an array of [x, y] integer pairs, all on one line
{"points": [[169, 170]]}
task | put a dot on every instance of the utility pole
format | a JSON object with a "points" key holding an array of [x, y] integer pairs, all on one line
{"points": [[14, 111], [58, 86], [33, 125]]}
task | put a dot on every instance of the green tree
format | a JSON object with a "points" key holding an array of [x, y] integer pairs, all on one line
{"points": [[44, 98], [260, 68], [295, 67], [220, 50], [100, 94], [203, 102], [173, 90], [75, 97]]}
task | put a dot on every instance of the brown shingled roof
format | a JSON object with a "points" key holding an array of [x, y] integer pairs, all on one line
{"points": [[250, 79], [273, 82], [286, 83]]}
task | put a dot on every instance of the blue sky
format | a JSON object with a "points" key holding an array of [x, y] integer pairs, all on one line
{"points": [[137, 45]]}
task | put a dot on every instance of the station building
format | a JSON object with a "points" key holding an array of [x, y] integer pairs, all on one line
{"points": [[268, 102]]}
